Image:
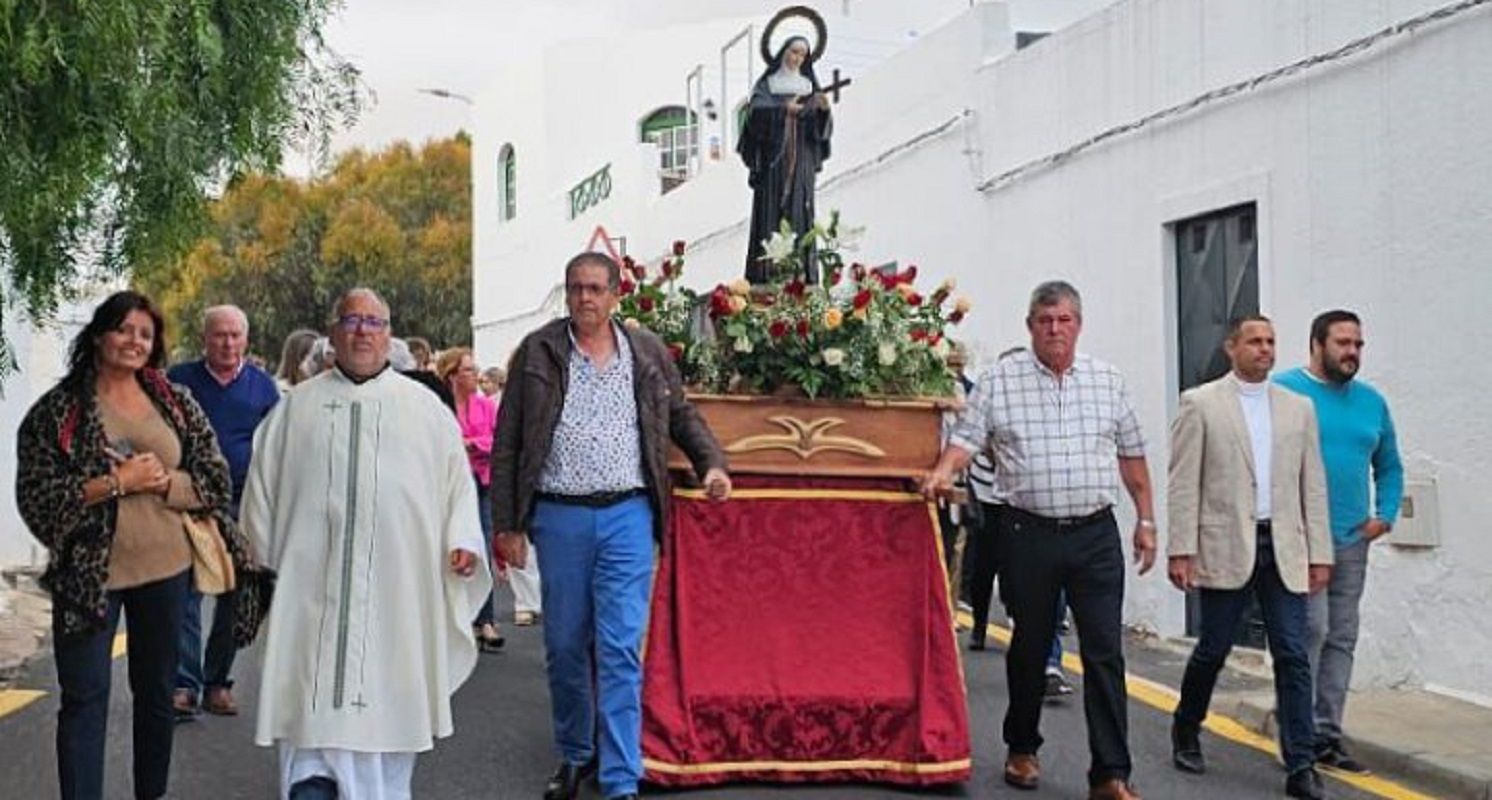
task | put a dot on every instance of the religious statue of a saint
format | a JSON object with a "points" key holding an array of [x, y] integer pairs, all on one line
{"points": [[784, 143]]}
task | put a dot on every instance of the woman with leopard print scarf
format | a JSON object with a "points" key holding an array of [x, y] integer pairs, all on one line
{"points": [[108, 461]]}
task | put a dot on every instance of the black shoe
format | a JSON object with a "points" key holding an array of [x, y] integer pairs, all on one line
{"points": [[1186, 748], [1056, 687], [1305, 783], [976, 642], [631, 796], [1334, 757], [564, 784]]}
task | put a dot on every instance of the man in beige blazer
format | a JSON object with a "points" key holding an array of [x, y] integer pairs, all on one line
{"points": [[1248, 517]]}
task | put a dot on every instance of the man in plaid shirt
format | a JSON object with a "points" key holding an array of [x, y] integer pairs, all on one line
{"points": [[1058, 424]]}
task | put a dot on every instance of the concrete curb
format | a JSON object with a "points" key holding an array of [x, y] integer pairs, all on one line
{"points": [[1432, 771], [25, 625]]}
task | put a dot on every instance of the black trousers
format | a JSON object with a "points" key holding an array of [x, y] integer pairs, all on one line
{"points": [[153, 618], [1084, 560], [982, 562]]}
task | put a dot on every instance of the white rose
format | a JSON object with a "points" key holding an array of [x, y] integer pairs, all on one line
{"points": [[887, 353], [833, 357], [743, 344]]}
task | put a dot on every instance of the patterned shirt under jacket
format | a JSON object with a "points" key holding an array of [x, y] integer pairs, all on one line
{"points": [[1054, 442], [597, 447]]}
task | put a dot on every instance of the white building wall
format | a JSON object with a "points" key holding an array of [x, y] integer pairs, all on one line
{"points": [[41, 360], [1370, 176]]}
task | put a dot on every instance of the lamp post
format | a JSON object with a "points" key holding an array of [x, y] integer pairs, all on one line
{"points": [[448, 95]]}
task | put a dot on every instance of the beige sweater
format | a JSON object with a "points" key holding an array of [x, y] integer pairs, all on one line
{"points": [[150, 542]]}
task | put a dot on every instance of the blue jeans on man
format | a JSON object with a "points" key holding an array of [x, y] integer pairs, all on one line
{"points": [[1334, 619], [1287, 631], [199, 673], [596, 565]]}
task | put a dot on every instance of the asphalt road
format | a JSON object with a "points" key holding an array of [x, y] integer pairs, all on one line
{"points": [[501, 748]]}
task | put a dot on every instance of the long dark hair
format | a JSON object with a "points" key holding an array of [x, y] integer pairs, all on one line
{"points": [[83, 357]]}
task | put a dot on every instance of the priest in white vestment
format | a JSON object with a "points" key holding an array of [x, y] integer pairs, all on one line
{"points": [[360, 497]]}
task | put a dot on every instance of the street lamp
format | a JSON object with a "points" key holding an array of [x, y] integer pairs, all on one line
{"points": [[448, 95]]}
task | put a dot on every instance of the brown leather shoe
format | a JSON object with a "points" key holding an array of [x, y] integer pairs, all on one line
{"points": [[219, 701], [184, 704], [1113, 789], [1022, 770]]}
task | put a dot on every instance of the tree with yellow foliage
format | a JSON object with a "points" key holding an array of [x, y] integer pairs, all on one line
{"points": [[398, 221]]}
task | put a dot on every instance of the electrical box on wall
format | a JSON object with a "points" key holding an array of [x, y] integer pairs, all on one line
{"points": [[1419, 516]]}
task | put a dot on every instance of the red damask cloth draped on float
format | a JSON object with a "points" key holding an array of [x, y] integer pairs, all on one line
{"points": [[801, 632]]}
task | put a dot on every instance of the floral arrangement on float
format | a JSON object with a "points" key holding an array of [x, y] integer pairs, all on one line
{"points": [[861, 332]]}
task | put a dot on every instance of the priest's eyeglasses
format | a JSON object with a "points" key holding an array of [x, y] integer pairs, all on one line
{"points": [[351, 322]]}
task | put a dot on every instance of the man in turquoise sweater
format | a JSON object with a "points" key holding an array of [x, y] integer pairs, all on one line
{"points": [[1359, 448]]}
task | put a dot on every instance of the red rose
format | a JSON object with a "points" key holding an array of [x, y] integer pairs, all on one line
{"points": [[720, 302], [910, 274], [795, 289], [625, 287], [778, 329], [914, 299], [835, 276], [803, 328], [857, 271], [956, 317], [628, 262], [645, 303], [934, 339], [667, 268], [918, 334], [862, 299], [676, 350], [678, 247], [640, 271]]}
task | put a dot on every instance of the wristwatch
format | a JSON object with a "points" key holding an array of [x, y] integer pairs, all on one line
{"points": [[115, 489]]}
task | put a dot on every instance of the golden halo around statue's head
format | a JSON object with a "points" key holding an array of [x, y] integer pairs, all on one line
{"points": [[821, 31]]}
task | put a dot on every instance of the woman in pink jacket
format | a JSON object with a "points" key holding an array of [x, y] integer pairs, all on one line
{"points": [[477, 414]]}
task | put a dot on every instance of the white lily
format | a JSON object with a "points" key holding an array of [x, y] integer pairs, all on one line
{"points": [[779, 247], [887, 353], [847, 238]]}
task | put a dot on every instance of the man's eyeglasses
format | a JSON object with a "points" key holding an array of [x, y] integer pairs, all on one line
{"points": [[581, 289], [351, 322]]}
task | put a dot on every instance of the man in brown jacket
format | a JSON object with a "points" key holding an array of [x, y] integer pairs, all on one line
{"points": [[580, 462]]}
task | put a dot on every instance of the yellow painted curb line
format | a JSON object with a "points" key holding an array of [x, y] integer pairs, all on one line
{"points": [[1163, 698], [13, 700]]}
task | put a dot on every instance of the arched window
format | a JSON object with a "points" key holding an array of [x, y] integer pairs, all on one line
{"points": [[507, 181], [676, 133]]}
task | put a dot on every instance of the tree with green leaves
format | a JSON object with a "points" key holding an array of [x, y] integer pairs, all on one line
{"points": [[119, 117], [398, 221]]}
